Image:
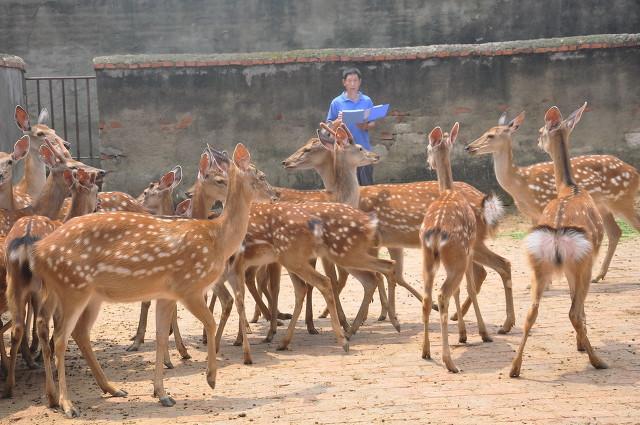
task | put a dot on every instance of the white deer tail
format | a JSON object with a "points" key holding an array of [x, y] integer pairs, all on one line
{"points": [[557, 246]]}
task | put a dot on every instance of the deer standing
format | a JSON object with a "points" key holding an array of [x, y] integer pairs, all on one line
{"points": [[23, 285], [612, 183], [448, 236], [567, 236], [132, 257]]}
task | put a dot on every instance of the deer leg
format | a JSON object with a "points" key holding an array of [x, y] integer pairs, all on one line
{"points": [[300, 290], [449, 287], [483, 255], [613, 234], [343, 275], [236, 279], [164, 312], [212, 305], [471, 290], [462, 329], [308, 316], [274, 291], [35, 341], [196, 305], [256, 292], [32, 306], [480, 274], [542, 276], [4, 359], [580, 276], [369, 284], [428, 276], [177, 337], [138, 338], [311, 276], [17, 298], [226, 300], [81, 334], [397, 255], [42, 324]]}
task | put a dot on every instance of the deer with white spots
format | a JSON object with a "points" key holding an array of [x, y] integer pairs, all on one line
{"points": [[611, 182], [157, 199], [22, 285], [567, 236], [35, 173], [129, 257], [400, 210], [10, 198], [448, 234]]}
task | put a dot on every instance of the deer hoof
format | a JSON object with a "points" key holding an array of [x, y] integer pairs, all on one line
{"points": [[167, 401], [345, 346], [486, 338], [133, 347]]}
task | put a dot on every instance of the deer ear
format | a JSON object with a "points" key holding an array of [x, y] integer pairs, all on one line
{"points": [[516, 122], [349, 135], [68, 177], [177, 171], [43, 118], [575, 116], [342, 137], [166, 181], [203, 165], [503, 118], [325, 139], [552, 118], [84, 177], [241, 157], [47, 156], [22, 119], [92, 178], [21, 148], [454, 133], [435, 137], [183, 207]]}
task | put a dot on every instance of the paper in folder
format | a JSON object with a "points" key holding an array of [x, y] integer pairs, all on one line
{"points": [[361, 115]]}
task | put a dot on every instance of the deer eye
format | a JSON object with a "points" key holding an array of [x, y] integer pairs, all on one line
{"points": [[10, 162], [40, 133]]}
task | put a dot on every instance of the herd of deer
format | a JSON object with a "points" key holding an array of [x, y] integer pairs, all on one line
{"points": [[62, 259]]}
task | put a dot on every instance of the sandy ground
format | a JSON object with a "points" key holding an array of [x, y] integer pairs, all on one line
{"points": [[382, 378]]}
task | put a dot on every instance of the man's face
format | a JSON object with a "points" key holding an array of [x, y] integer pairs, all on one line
{"points": [[352, 83]]}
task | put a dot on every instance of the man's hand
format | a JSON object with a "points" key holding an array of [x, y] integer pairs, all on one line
{"points": [[365, 125]]}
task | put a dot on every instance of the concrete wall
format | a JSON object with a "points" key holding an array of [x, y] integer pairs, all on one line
{"points": [[62, 36], [158, 111], [11, 94]]}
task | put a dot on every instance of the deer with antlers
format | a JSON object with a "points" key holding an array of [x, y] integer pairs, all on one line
{"points": [[22, 284], [611, 182], [400, 210], [448, 236], [129, 257], [567, 236]]}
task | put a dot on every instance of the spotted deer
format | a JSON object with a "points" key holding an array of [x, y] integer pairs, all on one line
{"points": [[567, 236], [10, 198], [447, 235], [22, 285], [129, 257], [35, 171], [611, 182], [157, 199], [400, 210]]}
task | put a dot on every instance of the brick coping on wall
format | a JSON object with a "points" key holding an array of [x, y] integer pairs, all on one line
{"points": [[507, 48], [10, 61]]}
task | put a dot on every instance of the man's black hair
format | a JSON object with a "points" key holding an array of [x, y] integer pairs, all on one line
{"points": [[350, 71]]}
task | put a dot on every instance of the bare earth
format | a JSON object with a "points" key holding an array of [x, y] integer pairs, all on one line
{"points": [[382, 378]]}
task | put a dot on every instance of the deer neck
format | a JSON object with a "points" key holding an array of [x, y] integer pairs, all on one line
{"points": [[506, 172], [52, 196], [347, 189], [166, 206], [7, 200], [443, 170], [234, 220], [199, 206], [35, 174], [326, 170], [562, 165], [79, 204]]}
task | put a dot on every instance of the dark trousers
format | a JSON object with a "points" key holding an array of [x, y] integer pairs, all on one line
{"points": [[365, 175]]}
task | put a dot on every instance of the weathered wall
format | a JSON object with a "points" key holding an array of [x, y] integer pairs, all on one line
{"points": [[62, 36], [11, 69], [160, 110]]}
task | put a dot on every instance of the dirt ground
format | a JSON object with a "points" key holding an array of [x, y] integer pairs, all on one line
{"points": [[382, 378]]}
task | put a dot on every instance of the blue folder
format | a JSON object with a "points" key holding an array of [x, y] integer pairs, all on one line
{"points": [[358, 116]]}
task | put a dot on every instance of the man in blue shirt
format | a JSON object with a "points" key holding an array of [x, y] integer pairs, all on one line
{"points": [[350, 99]]}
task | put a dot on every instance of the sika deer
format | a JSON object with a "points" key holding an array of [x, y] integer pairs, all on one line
{"points": [[566, 238], [448, 235], [612, 183]]}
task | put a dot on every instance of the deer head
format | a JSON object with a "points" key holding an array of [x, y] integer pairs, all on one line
{"points": [[497, 138], [8, 161], [440, 144], [338, 139], [211, 177], [157, 195], [556, 130], [311, 155]]}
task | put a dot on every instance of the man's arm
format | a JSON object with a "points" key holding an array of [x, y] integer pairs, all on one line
{"points": [[367, 125], [333, 111]]}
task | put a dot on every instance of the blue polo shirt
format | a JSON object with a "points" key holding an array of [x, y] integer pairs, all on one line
{"points": [[343, 103]]}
